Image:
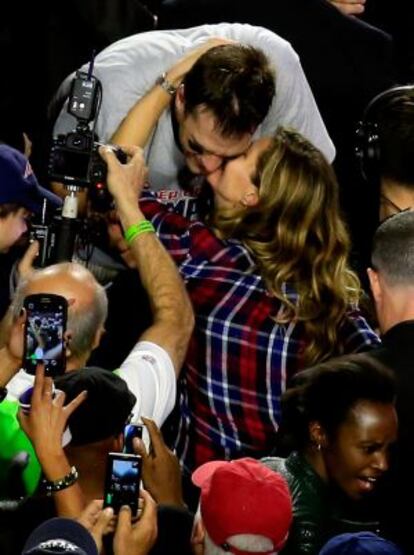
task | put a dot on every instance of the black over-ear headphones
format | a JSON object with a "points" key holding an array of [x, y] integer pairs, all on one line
{"points": [[367, 134]]}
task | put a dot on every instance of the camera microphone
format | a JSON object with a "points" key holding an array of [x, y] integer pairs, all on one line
{"points": [[68, 226]]}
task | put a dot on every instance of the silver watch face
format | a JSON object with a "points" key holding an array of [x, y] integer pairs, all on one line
{"points": [[166, 85]]}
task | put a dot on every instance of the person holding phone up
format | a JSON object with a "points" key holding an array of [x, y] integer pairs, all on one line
{"points": [[150, 370]]}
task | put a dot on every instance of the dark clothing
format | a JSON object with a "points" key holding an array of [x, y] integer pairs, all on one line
{"points": [[174, 527], [319, 512], [397, 352], [346, 61], [397, 21]]}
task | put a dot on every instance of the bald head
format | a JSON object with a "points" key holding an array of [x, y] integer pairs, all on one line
{"points": [[87, 300]]}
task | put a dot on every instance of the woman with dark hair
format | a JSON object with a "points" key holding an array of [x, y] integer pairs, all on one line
{"points": [[339, 418]]}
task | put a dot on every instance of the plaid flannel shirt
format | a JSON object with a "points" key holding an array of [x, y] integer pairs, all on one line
{"points": [[239, 359]]}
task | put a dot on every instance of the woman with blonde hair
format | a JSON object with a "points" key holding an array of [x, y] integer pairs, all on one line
{"points": [[268, 275]]}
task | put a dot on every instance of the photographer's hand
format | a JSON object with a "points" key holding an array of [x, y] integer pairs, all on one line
{"points": [[125, 182]]}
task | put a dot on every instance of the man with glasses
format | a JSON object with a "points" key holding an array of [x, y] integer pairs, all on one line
{"points": [[206, 98]]}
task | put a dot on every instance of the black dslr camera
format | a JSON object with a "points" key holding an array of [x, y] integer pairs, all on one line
{"points": [[74, 158]]}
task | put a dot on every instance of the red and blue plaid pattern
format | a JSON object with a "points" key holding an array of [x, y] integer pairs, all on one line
{"points": [[239, 359]]}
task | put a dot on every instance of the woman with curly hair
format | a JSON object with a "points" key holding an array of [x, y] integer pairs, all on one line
{"points": [[339, 423], [267, 272]]}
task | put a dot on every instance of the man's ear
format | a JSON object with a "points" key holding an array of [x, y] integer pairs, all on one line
{"points": [[180, 102], [375, 285], [98, 337]]}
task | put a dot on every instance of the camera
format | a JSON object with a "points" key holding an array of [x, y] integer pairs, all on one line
{"points": [[75, 160], [74, 157], [122, 481]]}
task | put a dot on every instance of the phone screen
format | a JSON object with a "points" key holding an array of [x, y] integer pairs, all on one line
{"points": [[44, 333], [123, 477], [131, 431]]}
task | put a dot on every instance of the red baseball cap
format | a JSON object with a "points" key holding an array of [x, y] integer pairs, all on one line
{"points": [[243, 497]]}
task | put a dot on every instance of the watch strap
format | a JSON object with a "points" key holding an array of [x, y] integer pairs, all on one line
{"points": [[168, 87]]}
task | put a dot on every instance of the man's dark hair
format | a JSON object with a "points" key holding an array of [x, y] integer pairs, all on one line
{"points": [[395, 120], [7, 209], [234, 82], [106, 409]]}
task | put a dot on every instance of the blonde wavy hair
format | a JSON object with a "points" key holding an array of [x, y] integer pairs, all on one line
{"points": [[298, 237]]}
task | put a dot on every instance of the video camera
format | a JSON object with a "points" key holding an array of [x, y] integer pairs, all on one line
{"points": [[74, 160]]}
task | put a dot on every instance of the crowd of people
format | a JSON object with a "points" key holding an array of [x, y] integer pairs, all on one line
{"points": [[227, 303]]}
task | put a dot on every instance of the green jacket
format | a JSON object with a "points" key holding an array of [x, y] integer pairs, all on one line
{"points": [[319, 513], [310, 504], [12, 441]]}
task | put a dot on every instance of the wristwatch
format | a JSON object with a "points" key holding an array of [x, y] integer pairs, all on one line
{"points": [[168, 87]]}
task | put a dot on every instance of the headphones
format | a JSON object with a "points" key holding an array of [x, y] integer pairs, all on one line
{"points": [[367, 147]]}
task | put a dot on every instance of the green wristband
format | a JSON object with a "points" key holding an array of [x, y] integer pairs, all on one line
{"points": [[137, 229]]}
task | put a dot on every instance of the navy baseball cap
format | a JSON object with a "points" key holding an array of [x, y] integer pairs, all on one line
{"points": [[359, 543], [18, 184], [60, 535]]}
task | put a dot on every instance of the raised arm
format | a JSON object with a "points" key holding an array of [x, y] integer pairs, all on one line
{"points": [[140, 121], [172, 311]]}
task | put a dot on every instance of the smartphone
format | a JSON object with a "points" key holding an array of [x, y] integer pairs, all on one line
{"points": [[131, 431], [122, 481], [44, 334]]}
